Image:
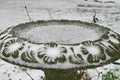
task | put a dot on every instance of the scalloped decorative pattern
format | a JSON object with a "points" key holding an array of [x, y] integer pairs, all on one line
{"points": [[86, 54]]}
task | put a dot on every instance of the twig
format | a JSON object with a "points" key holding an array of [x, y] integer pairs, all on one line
{"points": [[95, 19], [49, 13], [27, 73], [96, 70], [28, 14]]}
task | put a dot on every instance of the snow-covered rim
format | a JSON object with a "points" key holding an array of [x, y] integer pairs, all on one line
{"points": [[87, 54]]}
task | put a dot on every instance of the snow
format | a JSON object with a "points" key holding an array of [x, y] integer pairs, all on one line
{"points": [[50, 52], [12, 12], [94, 50], [14, 47], [9, 71], [59, 33]]}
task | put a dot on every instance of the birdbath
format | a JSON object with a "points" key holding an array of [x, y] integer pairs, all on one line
{"points": [[59, 47]]}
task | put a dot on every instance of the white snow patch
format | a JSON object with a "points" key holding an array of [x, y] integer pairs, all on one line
{"points": [[14, 47], [93, 50], [65, 34]]}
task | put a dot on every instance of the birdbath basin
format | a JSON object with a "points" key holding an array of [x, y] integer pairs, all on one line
{"points": [[59, 46]]}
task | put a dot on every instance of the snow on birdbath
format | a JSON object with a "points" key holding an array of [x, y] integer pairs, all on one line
{"points": [[59, 46]]}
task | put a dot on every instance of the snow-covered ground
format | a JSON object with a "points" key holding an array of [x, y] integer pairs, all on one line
{"points": [[12, 12]]}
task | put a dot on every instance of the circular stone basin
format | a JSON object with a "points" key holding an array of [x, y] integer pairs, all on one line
{"points": [[58, 32], [59, 44]]}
